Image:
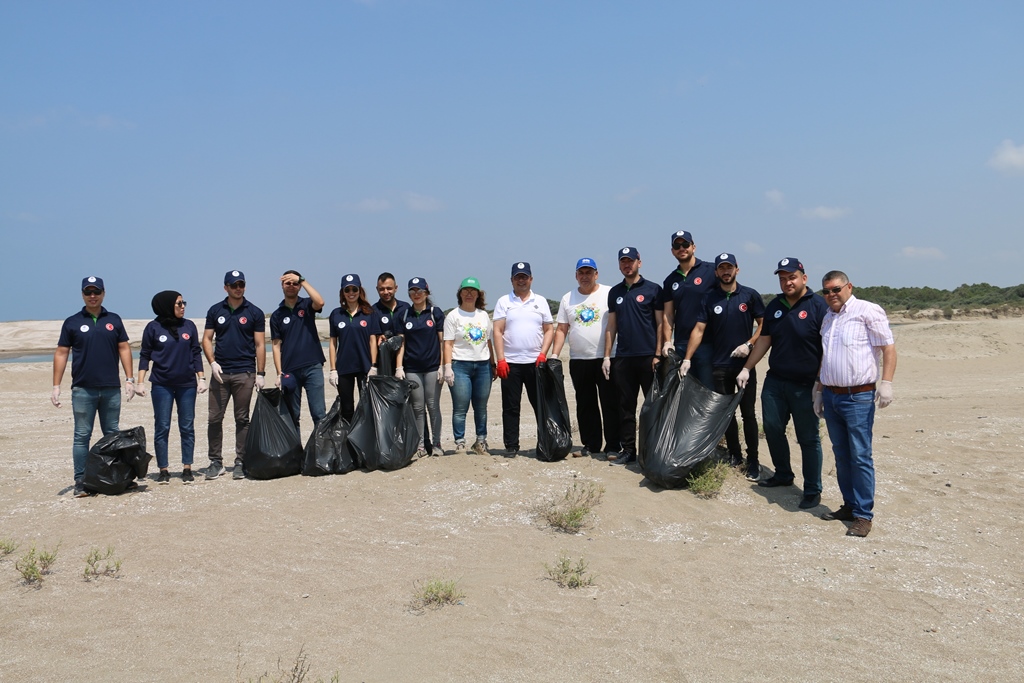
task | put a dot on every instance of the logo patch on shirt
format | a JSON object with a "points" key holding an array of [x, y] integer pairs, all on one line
{"points": [[698, 280], [362, 323], [110, 327], [675, 286], [341, 324], [743, 307], [619, 300], [408, 326], [186, 336], [286, 320], [302, 314], [83, 328], [778, 313], [718, 309], [243, 320], [221, 320], [384, 319], [639, 298], [430, 323], [162, 338], [803, 315]]}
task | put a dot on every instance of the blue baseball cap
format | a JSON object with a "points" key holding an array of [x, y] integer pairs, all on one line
{"points": [[586, 263], [92, 282], [521, 267], [790, 265], [350, 280], [419, 283], [726, 257], [629, 252], [233, 276], [681, 235]]}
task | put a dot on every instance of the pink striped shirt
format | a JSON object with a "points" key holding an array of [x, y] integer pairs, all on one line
{"points": [[851, 342]]}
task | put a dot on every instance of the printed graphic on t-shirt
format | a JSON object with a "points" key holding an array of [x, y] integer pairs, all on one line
{"points": [[586, 314], [474, 334]]}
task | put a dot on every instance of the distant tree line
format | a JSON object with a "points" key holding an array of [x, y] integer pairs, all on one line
{"points": [[963, 298]]}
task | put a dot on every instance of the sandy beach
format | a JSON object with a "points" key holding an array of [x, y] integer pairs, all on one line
{"points": [[224, 580]]}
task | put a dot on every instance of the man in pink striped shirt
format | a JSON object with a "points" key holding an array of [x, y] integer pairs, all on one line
{"points": [[854, 335]]}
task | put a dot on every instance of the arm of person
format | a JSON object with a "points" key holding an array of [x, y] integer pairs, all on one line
{"points": [[375, 341], [124, 350], [316, 302], [696, 337], [549, 334], [667, 324], [888, 362], [499, 339], [260, 338], [275, 347], [446, 351], [609, 334], [560, 332], [761, 346], [208, 345], [60, 362], [332, 356], [757, 331]]}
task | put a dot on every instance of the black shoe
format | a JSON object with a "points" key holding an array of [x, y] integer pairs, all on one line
{"points": [[612, 456], [238, 472], [164, 477], [624, 459], [753, 470], [810, 500], [773, 481], [214, 470], [81, 491], [843, 514], [186, 476], [511, 452], [735, 460]]}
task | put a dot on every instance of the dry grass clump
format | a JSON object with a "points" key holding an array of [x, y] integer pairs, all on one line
{"points": [[569, 574], [35, 565], [435, 594], [297, 673], [707, 478], [570, 512], [99, 564]]}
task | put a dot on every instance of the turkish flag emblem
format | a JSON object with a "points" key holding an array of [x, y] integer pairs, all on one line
{"points": [[430, 323], [302, 314], [743, 307], [110, 327], [186, 336], [362, 323], [243, 320], [640, 298], [803, 315], [698, 280]]}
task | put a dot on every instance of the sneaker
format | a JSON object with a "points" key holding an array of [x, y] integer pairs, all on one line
{"points": [[437, 451], [81, 491], [860, 528], [460, 446], [421, 453], [215, 470], [612, 456], [164, 477], [238, 472], [511, 452], [735, 460], [810, 500], [775, 480], [186, 476], [480, 447], [843, 514], [581, 453], [753, 470], [624, 459]]}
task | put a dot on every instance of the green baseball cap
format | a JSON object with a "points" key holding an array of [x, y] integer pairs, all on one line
{"points": [[471, 282]]}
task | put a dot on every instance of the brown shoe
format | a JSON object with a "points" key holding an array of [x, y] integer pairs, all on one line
{"points": [[860, 528], [843, 514]]}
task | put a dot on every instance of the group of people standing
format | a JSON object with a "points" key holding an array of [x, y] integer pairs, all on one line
{"points": [[824, 361]]}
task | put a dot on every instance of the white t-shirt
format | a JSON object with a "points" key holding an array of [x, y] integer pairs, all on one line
{"points": [[524, 325], [470, 332], [587, 317]]}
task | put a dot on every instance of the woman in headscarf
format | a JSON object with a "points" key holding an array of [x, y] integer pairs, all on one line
{"points": [[353, 349], [170, 344]]}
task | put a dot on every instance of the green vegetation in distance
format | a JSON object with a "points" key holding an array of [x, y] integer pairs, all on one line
{"points": [[963, 298]]}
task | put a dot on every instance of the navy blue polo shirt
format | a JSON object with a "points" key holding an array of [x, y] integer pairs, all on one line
{"points": [[730, 322], [796, 337], [93, 344], [422, 344], [233, 332], [174, 362], [387, 321], [686, 292], [300, 341], [351, 335], [634, 309]]}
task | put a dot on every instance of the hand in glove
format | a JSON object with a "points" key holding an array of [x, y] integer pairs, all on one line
{"points": [[743, 378], [400, 372], [215, 372], [541, 358], [202, 385], [277, 382], [666, 347], [684, 368], [129, 390], [741, 351], [883, 395], [141, 389], [372, 373], [449, 375], [606, 368], [503, 369], [819, 405], [261, 382], [55, 396], [333, 378]]}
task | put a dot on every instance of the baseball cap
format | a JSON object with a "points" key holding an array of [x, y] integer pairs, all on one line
{"points": [[470, 282], [726, 257], [233, 276], [350, 280], [629, 252], [586, 263], [418, 283], [92, 281], [521, 267], [790, 265], [681, 235]]}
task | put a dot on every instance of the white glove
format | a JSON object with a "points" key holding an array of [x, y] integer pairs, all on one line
{"points": [[372, 372], [819, 405], [741, 351], [743, 378], [55, 396], [215, 371], [129, 390], [440, 374], [277, 382], [666, 347], [261, 382], [140, 390], [884, 393], [400, 372], [684, 368], [333, 379], [449, 375], [202, 385], [606, 368]]}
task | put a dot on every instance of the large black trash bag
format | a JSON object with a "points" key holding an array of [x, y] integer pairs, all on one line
{"points": [[681, 423], [116, 461], [383, 433], [387, 355], [554, 428], [327, 450], [272, 446]]}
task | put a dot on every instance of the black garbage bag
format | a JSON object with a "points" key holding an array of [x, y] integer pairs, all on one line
{"points": [[272, 446], [327, 450], [116, 461], [383, 433], [554, 428], [387, 355], [681, 423]]}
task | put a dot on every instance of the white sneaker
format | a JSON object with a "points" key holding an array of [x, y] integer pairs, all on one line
{"points": [[460, 446]]}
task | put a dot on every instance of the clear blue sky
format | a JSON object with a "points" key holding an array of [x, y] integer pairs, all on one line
{"points": [[159, 144]]}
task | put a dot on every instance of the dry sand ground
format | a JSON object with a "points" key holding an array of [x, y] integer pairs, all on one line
{"points": [[223, 579]]}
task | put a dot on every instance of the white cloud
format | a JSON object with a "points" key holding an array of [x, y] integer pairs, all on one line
{"points": [[421, 202], [752, 248], [372, 205], [629, 195], [1007, 157], [923, 253], [776, 199], [825, 213]]}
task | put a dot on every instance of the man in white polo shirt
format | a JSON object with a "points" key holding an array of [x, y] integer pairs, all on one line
{"points": [[523, 329]]}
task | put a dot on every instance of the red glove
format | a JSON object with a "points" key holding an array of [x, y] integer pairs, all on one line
{"points": [[503, 369], [541, 358]]}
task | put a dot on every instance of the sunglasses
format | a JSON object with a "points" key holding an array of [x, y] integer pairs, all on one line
{"points": [[182, 304], [682, 245], [351, 290], [834, 290], [93, 292], [237, 285]]}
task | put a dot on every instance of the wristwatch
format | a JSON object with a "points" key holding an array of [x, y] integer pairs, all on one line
{"points": [[750, 346]]}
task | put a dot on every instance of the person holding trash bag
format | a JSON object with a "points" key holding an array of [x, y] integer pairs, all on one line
{"points": [[469, 363], [95, 339], [353, 349], [388, 308], [170, 343], [297, 348], [682, 293], [729, 312], [419, 360]]}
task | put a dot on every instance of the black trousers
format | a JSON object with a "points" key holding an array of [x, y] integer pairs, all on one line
{"points": [[346, 388], [592, 390], [725, 383], [630, 375], [519, 375]]}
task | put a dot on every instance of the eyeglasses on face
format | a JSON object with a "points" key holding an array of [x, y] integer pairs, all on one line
{"points": [[351, 290], [181, 304], [93, 292], [237, 285], [833, 290], [682, 245]]}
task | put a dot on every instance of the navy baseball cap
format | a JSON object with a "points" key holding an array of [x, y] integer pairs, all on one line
{"points": [[233, 276], [288, 383], [790, 265], [419, 283], [726, 257], [586, 263], [681, 235], [629, 252], [92, 282], [521, 267], [350, 280]]}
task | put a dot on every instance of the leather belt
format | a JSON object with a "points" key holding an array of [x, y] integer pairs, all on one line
{"points": [[852, 390]]}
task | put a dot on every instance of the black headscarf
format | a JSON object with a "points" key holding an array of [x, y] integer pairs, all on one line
{"points": [[163, 306]]}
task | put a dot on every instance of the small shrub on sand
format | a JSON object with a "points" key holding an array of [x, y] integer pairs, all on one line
{"points": [[296, 674], [570, 512], [569, 574], [435, 594], [99, 564], [35, 564], [707, 478], [7, 546]]}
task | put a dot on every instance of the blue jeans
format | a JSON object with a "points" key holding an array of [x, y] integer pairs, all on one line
{"points": [[700, 364], [850, 419], [310, 378], [781, 399], [472, 383], [86, 402], [164, 399]]}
